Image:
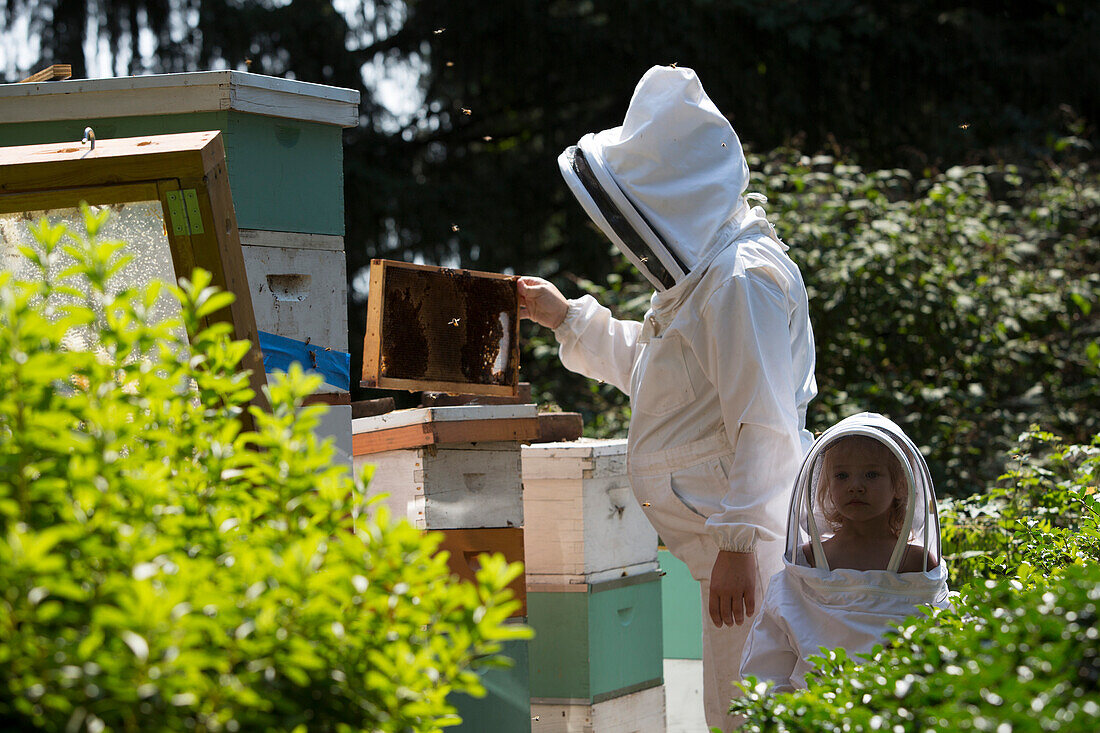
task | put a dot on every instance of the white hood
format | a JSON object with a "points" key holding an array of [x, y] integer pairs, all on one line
{"points": [[668, 185], [807, 608]]}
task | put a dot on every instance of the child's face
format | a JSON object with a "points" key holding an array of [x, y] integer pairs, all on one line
{"points": [[859, 485]]}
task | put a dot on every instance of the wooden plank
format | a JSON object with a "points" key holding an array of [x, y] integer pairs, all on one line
{"points": [[292, 240], [421, 434], [464, 545], [50, 73], [478, 431], [408, 436], [124, 160], [370, 408], [219, 243], [63, 198], [538, 581], [443, 399], [555, 427], [372, 338], [458, 413], [329, 398], [203, 91], [417, 385]]}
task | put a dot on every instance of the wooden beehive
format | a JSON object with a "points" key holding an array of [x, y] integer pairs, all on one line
{"points": [[438, 329], [583, 523], [595, 642], [631, 713]]}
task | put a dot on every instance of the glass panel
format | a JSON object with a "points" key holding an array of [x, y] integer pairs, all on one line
{"points": [[139, 223]]}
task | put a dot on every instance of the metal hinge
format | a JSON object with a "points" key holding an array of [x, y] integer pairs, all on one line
{"points": [[184, 212]]}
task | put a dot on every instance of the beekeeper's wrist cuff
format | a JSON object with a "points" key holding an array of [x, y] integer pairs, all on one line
{"points": [[568, 326], [739, 536]]}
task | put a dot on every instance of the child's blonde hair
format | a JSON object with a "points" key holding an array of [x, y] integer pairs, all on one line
{"points": [[897, 482]]}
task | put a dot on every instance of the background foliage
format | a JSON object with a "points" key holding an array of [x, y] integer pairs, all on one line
{"points": [[163, 569], [466, 173], [961, 304]]}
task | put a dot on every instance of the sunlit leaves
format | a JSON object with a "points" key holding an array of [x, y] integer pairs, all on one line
{"points": [[163, 568]]}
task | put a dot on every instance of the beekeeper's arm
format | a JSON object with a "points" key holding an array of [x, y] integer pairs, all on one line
{"points": [[743, 345], [593, 343], [769, 655]]}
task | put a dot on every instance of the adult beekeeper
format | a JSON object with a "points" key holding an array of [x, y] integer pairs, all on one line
{"points": [[862, 551], [720, 372]]}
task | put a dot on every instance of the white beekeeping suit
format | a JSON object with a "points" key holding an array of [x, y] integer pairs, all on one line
{"points": [[722, 368], [809, 605]]}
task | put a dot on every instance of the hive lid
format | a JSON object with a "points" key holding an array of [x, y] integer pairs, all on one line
{"points": [[439, 425], [167, 94]]}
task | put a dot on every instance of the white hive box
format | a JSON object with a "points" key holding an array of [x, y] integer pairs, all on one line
{"points": [[298, 284], [583, 524], [638, 712], [448, 467]]}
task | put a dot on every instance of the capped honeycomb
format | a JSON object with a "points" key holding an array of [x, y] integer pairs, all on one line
{"points": [[441, 329]]}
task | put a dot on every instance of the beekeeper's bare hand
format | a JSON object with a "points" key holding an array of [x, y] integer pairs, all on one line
{"points": [[733, 588], [540, 301]]}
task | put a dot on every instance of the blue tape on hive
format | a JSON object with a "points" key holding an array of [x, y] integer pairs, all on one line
{"points": [[280, 352]]}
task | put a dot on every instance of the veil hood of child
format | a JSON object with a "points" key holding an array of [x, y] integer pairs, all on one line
{"points": [[667, 187], [807, 608]]}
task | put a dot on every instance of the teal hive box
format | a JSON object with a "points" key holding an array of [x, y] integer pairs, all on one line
{"points": [[506, 707], [682, 609], [597, 643], [283, 138]]}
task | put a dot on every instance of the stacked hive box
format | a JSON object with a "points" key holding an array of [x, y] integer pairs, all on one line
{"points": [[284, 153], [457, 470], [593, 592]]}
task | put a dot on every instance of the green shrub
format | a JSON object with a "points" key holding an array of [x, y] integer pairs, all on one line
{"points": [[1008, 658], [162, 568], [1042, 515]]}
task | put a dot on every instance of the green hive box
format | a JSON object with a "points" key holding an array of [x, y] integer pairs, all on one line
{"points": [[506, 707], [283, 138], [682, 609], [597, 644]]}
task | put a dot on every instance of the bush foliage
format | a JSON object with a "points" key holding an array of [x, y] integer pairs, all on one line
{"points": [[162, 568], [960, 304]]}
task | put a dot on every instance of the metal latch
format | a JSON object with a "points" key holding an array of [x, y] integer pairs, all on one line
{"points": [[184, 212]]}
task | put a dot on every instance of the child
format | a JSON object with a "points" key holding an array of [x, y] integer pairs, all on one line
{"points": [[868, 486]]}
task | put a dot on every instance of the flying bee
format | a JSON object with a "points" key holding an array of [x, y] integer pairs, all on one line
{"points": [[964, 125], [454, 227], [438, 31], [454, 321], [466, 111]]}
